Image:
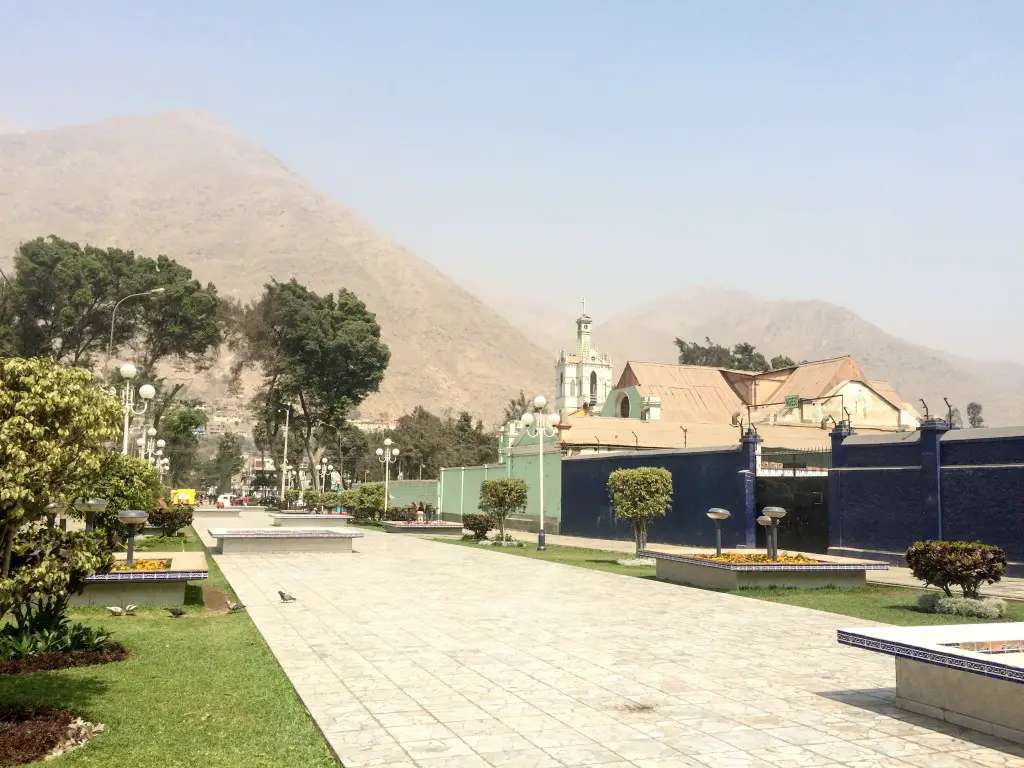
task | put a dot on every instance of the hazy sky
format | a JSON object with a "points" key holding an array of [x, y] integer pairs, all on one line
{"points": [[866, 153]]}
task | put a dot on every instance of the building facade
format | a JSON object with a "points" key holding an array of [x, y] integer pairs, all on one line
{"points": [[583, 378]]}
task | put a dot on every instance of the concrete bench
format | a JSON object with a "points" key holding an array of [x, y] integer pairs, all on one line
{"points": [[238, 540], [971, 675], [306, 520], [434, 528]]}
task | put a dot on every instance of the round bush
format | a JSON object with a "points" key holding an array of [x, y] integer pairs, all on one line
{"points": [[975, 608], [479, 524]]}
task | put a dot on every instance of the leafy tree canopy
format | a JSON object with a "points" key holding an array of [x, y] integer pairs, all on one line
{"points": [[226, 462], [742, 357], [178, 427], [502, 497], [432, 442], [320, 355], [640, 495], [516, 407], [54, 424], [974, 417]]}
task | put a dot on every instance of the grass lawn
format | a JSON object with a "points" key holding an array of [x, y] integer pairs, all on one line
{"points": [[875, 602], [202, 690]]}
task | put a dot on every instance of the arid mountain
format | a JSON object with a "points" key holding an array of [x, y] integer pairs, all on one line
{"points": [[183, 184], [814, 330]]}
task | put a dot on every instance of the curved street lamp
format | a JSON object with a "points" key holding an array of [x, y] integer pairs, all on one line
{"points": [[543, 425], [113, 314]]}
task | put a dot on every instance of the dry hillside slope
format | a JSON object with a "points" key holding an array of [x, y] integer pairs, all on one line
{"points": [[183, 184], [814, 330]]}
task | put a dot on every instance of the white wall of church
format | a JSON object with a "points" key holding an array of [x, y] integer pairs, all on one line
{"points": [[865, 406]]}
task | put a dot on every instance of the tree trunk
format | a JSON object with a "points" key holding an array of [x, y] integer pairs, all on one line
{"points": [[501, 526], [640, 534], [8, 539]]}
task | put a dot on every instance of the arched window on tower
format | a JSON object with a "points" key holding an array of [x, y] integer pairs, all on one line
{"points": [[561, 383], [572, 387], [593, 387]]}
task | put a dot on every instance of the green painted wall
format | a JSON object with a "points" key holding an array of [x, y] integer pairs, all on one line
{"points": [[461, 487], [611, 410], [406, 492]]}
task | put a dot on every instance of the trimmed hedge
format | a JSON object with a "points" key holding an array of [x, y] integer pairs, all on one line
{"points": [[479, 524], [171, 519], [967, 565]]}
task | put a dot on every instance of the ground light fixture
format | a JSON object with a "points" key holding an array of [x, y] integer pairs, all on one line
{"points": [[718, 515], [132, 519], [774, 514], [89, 507], [53, 509], [766, 522]]}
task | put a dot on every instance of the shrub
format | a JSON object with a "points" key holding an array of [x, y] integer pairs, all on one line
{"points": [[370, 500], [502, 497], [399, 513], [47, 568], [479, 524], [65, 637], [639, 495], [964, 564], [983, 608], [171, 519]]}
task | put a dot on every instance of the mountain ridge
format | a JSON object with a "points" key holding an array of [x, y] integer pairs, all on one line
{"points": [[187, 185]]}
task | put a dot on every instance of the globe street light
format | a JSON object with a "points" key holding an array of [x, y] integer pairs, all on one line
{"points": [[323, 474], [387, 456], [543, 425], [132, 518], [147, 392]]}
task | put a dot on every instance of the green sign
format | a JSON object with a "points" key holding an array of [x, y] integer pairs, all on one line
{"points": [[793, 401]]}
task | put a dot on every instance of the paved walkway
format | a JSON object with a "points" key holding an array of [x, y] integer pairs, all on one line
{"points": [[417, 653], [1009, 588]]}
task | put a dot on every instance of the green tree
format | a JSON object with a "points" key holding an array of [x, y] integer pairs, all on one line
{"points": [[126, 482], [974, 417], [432, 442], [956, 419], [711, 354], [62, 299], [179, 427], [322, 355], [640, 495], [54, 424], [502, 497], [782, 361], [742, 357], [226, 462], [370, 500], [516, 407]]}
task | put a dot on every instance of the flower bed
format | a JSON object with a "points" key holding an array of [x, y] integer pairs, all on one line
{"points": [[740, 559], [142, 565], [434, 527], [737, 570], [42, 662], [29, 734]]}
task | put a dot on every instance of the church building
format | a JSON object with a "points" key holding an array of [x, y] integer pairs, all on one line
{"points": [[583, 378]]}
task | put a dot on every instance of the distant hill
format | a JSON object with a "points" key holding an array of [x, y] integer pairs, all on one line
{"points": [[183, 184], [814, 330]]}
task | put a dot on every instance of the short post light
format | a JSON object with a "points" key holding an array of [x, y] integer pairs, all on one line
{"points": [[718, 515], [53, 509], [766, 522], [89, 507], [774, 514], [132, 519]]}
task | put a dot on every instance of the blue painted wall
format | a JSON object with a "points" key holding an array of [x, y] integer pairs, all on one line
{"points": [[700, 479], [883, 498]]}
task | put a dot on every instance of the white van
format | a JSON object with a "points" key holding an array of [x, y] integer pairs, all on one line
{"points": [[226, 500]]}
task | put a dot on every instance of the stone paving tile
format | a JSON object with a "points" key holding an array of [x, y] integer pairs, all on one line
{"points": [[552, 666]]}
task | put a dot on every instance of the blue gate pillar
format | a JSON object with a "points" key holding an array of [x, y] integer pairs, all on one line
{"points": [[932, 431], [835, 483], [749, 474]]}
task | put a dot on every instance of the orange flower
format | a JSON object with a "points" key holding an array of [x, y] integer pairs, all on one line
{"points": [[143, 565]]}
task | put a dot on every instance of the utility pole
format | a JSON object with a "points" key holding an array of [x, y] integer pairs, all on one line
{"points": [[284, 459]]}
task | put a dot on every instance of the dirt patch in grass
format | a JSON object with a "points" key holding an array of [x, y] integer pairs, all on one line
{"points": [[43, 662], [215, 600], [29, 734]]}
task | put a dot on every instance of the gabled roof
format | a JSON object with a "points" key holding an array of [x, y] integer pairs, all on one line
{"points": [[817, 379], [689, 393]]}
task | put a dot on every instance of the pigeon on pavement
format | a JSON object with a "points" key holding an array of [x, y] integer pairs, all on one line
{"points": [[235, 607], [176, 612], [115, 610], [285, 597], [129, 610]]}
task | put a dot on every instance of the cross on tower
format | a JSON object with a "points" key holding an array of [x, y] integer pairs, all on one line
{"points": [[584, 302]]}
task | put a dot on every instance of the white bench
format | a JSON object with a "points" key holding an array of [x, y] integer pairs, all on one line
{"points": [[239, 540]]}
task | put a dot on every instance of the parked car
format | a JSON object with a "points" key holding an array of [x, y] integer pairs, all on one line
{"points": [[226, 500]]}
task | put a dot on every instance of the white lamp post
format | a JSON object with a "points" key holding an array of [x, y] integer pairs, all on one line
{"points": [[284, 458], [543, 425], [387, 456], [323, 474], [146, 392]]}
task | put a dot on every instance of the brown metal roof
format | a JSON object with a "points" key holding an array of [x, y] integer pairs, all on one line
{"points": [[817, 379], [689, 393]]}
